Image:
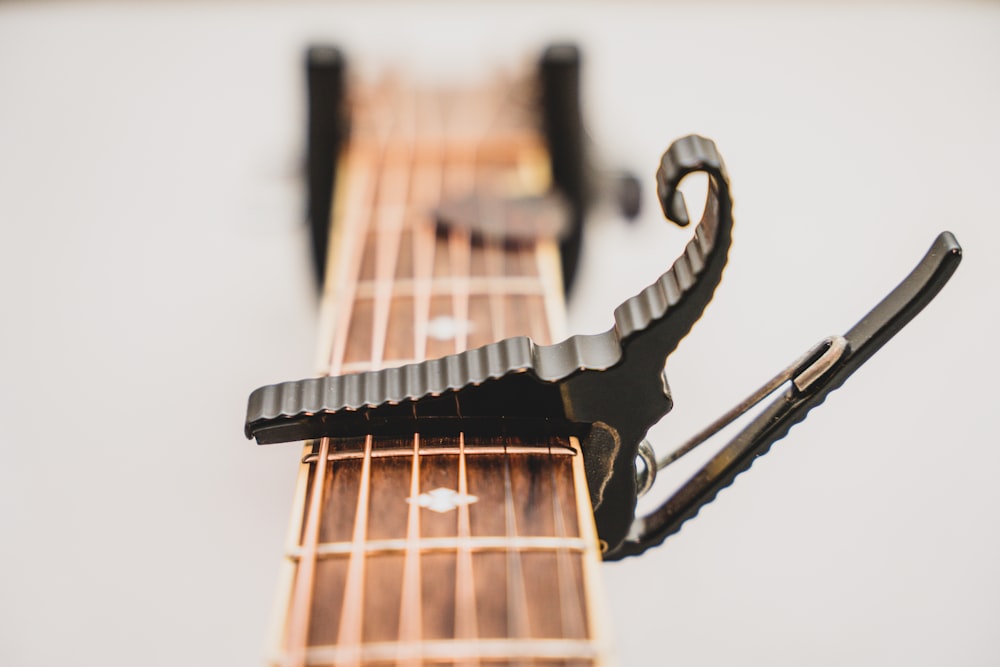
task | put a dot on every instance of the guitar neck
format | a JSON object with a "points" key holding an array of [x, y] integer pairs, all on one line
{"points": [[453, 549]]}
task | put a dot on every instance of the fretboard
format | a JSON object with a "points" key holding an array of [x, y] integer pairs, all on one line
{"points": [[457, 550]]}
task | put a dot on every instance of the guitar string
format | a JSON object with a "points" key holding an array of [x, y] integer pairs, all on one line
{"points": [[370, 127], [482, 114], [518, 617], [352, 610], [423, 239], [571, 618], [389, 215], [462, 174], [493, 249], [459, 250], [571, 605], [595, 609], [297, 635], [464, 182], [394, 188], [495, 101], [464, 179], [466, 617], [410, 608], [300, 604], [518, 621], [350, 628], [461, 184], [427, 189]]}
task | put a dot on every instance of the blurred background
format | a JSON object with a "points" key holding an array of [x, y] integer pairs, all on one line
{"points": [[153, 270]]}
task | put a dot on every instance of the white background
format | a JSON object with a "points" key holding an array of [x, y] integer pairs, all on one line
{"points": [[153, 271]]}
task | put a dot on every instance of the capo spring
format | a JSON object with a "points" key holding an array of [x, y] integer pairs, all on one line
{"points": [[803, 372]]}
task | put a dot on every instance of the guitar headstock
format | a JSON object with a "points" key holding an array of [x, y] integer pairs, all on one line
{"points": [[575, 181]]}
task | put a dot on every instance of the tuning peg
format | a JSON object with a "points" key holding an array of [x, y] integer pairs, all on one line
{"points": [[325, 70], [628, 191]]}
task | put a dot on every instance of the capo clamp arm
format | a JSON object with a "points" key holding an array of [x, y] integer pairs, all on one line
{"points": [[607, 389]]}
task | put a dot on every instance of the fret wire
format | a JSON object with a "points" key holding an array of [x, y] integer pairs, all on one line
{"points": [[297, 633], [458, 650], [485, 285], [518, 622], [459, 544], [359, 366], [445, 450], [352, 609], [505, 147]]}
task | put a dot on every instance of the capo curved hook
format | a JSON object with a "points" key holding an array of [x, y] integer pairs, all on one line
{"points": [[627, 398]]}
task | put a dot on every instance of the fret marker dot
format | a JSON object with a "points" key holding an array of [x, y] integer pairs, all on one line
{"points": [[447, 328], [442, 500]]}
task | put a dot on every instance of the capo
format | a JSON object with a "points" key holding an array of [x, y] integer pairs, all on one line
{"points": [[607, 389]]}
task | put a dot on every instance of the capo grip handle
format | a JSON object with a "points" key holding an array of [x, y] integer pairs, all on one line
{"points": [[864, 339]]}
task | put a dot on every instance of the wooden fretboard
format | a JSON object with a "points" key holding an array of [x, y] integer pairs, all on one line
{"points": [[437, 550]]}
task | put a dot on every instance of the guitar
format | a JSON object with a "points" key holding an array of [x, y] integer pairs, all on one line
{"points": [[467, 466]]}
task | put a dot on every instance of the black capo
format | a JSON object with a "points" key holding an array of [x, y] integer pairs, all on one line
{"points": [[609, 388]]}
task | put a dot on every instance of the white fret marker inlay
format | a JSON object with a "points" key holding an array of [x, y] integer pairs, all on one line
{"points": [[442, 500], [444, 327]]}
